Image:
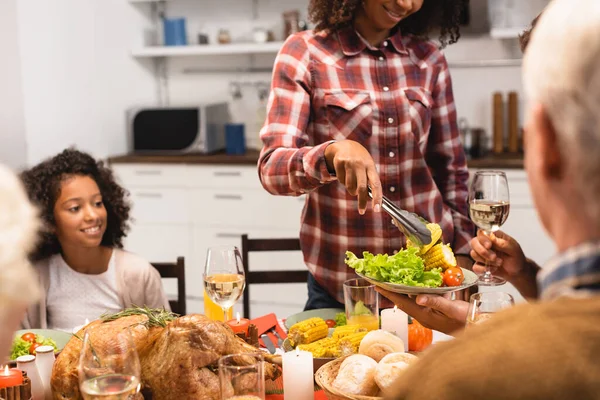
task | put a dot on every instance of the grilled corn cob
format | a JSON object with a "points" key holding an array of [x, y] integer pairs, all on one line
{"points": [[308, 331], [440, 256], [346, 330], [327, 347], [349, 344], [436, 234]]}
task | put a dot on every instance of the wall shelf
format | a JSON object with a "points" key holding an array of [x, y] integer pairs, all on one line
{"points": [[202, 50]]}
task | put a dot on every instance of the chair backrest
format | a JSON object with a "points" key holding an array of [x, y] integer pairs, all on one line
{"points": [[175, 270], [264, 277]]}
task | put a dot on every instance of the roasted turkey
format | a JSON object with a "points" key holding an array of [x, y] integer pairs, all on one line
{"points": [[179, 361]]}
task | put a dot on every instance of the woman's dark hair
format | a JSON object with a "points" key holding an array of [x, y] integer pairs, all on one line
{"points": [[443, 16], [525, 37], [43, 183]]}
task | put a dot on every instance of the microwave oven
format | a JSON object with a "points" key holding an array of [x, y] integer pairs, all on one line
{"points": [[198, 129]]}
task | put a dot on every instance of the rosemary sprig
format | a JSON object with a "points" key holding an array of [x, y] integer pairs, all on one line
{"points": [[156, 316]]}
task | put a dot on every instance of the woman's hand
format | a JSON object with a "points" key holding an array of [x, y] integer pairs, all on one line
{"points": [[502, 252], [433, 312], [355, 169]]}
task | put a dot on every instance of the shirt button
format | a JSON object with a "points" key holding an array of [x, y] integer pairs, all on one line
{"points": [[385, 88], [391, 120], [385, 43], [392, 189], [380, 58], [392, 154]]}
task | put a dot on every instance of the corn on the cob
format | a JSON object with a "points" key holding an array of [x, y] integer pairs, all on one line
{"points": [[436, 234], [327, 347], [440, 256], [308, 331], [349, 344], [346, 330]]}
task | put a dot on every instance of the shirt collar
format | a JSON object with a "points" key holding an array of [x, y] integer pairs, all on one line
{"points": [[574, 272], [353, 43]]}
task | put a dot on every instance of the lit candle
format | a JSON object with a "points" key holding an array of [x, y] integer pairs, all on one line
{"points": [[10, 377], [396, 322], [239, 324], [298, 375]]}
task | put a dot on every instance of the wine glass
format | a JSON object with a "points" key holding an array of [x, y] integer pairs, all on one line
{"points": [[489, 206], [483, 305], [224, 279], [109, 366]]}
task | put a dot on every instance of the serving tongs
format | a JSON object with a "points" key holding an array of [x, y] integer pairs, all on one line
{"points": [[410, 224]]}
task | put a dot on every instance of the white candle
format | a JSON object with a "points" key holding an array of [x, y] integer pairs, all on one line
{"points": [[298, 375], [396, 322]]}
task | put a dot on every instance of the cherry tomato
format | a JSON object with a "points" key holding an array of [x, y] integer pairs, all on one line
{"points": [[28, 337], [330, 323], [33, 347], [453, 276]]}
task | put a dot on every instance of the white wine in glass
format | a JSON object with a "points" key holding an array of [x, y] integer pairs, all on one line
{"points": [[224, 279], [489, 205], [109, 366]]}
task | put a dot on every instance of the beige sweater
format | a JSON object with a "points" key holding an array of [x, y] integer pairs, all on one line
{"points": [[138, 283], [540, 351]]}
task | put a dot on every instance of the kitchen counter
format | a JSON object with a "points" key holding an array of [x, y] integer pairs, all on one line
{"points": [[251, 158]]}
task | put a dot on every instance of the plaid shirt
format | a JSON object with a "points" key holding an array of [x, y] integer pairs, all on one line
{"points": [[396, 100]]}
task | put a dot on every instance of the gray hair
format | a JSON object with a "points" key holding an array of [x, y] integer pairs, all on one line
{"points": [[561, 71]]}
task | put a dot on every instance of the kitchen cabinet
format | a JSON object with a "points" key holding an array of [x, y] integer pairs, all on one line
{"points": [[182, 209]]}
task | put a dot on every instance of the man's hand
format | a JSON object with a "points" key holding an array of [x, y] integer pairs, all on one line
{"points": [[502, 252], [355, 169], [434, 312]]}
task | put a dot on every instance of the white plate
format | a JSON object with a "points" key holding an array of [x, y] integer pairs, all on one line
{"points": [[470, 280]]}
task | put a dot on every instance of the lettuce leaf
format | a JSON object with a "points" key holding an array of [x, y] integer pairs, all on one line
{"points": [[21, 347], [404, 268]]}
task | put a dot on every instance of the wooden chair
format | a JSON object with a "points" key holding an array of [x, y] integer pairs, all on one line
{"points": [[268, 277], [175, 270]]}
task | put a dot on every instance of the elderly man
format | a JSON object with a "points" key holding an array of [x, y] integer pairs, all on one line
{"points": [[547, 350]]}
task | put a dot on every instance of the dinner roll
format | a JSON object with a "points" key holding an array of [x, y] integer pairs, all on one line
{"points": [[356, 376], [377, 344], [390, 367]]}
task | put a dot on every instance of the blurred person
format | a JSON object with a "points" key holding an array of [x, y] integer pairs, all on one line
{"points": [[547, 349], [83, 270], [366, 100], [18, 284]]}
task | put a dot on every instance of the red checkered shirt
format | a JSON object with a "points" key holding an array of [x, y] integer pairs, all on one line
{"points": [[397, 101]]}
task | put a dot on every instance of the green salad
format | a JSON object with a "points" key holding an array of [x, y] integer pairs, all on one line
{"points": [[405, 268], [27, 343]]}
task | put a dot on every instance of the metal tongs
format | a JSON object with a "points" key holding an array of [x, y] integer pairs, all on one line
{"points": [[410, 224]]}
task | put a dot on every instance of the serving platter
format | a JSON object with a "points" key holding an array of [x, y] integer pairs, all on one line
{"points": [[470, 280]]}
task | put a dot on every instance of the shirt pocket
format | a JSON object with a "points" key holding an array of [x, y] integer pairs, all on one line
{"points": [[419, 104], [349, 115]]}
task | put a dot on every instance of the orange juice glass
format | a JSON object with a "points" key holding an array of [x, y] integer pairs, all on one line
{"points": [[362, 303], [214, 311]]}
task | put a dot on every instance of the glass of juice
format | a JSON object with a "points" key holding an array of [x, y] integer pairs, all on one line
{"points": [[362, 303]]}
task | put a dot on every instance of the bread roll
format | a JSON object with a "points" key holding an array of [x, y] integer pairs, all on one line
{"points": [[390, 367], [356, 376], [377, 344]]}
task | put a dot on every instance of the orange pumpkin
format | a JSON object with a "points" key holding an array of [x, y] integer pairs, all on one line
{"points": [[419, 337]]}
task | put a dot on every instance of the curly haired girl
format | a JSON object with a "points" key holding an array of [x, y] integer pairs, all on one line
{"points": [[79, 257], [365, 101]]}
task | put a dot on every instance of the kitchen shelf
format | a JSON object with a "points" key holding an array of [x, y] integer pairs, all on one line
{"points": [[507, 33], [202, 50]]}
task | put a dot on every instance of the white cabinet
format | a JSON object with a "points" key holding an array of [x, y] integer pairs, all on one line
{"points": [[181, 210]]}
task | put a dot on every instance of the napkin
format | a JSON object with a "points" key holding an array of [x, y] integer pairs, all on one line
{"points": [[264, 324]]}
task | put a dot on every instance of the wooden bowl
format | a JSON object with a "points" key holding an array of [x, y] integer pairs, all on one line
{"points": [[325, 377]]}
